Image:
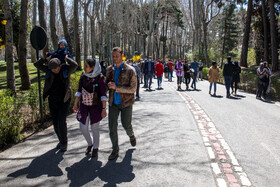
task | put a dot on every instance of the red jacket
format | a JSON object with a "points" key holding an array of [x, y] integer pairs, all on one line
{"points": [[159, 69]]}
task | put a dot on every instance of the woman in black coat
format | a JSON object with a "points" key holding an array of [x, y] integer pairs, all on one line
{"points": [[235, 77]]}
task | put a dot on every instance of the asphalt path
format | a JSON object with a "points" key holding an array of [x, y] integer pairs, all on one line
{"points": [[169, 151]]}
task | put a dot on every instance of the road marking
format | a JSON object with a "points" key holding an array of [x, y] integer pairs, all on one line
{"points": [[271, 152], [225, 166]]}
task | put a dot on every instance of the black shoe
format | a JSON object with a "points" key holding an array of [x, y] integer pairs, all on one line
{"points": [[63, 147], [88, 150], [94, 153], [58, 146], [113, 155], [132, 140]]}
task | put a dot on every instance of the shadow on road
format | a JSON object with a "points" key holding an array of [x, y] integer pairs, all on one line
{"points": [[217, 96], [83, 171], [115, 173], [46, 164], [242, 96]]}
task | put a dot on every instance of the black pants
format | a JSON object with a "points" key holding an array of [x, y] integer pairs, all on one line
{"points": [[187, 80], [235, 85], [262, 87], [138, 87], [59, 111]]}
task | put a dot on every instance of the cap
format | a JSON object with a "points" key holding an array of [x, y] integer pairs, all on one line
{"points": [[54, 63]]}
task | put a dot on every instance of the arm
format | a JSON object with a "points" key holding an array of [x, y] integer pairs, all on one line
{"points": [[104, 98], [40, 65], [78, 95], [73, 65], [132, 86]]}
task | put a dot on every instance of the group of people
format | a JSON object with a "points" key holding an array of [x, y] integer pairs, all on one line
{"points": [[122, 80], [91, 97]]}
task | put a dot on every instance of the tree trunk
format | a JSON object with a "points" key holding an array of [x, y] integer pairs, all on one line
{"points": [[25, 82], [76, 34], [54, 37], [85, 29], [93, 40], [65, 26], [246, 37], [273, 33], [34, 21], [265, 29], [9, 46], [42, 21], [205, 45]]}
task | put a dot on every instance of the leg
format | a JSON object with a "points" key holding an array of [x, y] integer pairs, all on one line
{"points": [[215, 87], [95, 135], [158, 82], [85, 131], [62, 127], [150, 80], [126, 118], [138, 87], [113, 126], [54, 113], [210, 87]]}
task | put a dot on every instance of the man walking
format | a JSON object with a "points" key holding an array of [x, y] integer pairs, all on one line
{"points": [[149, 71], [58, 90], [228, 73], [138, 75], [121, 81], [159, 73], [195, 66]]}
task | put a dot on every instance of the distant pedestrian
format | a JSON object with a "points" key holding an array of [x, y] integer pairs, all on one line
{"points": [[187, 74], [228, 73], [180, 73], [149, 71], [92, 94], [159, 73], [263, 80], [58, 90], [213, 77], [103, 67], [235, 77], [195, 67], [269, 74], [122, 83], [138, 76], [200, 71]]}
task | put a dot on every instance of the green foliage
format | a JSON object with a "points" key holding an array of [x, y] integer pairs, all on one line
{"points": [[10, 118], [251, 57]]}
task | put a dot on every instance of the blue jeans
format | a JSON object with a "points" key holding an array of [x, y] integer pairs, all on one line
{"points": [[149, 78], [194, 80], [228, 83], [159, 81], [215, 87], [170, 74]]}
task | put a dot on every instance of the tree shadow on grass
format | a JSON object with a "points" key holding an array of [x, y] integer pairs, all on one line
{"points": [[46, 164], [116, 173]]}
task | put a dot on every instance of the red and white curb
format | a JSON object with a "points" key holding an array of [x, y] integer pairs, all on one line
{"points": [[224, 164]]}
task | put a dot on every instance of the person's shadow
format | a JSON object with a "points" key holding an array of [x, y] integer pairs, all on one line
{"points": [[46, 164], [115, 173], [83, 171]]}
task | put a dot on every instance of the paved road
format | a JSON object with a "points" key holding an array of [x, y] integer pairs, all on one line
{"points": [[183, 139]]}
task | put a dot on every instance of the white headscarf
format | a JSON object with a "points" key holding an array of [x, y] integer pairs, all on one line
{"points": [[96, 71]]}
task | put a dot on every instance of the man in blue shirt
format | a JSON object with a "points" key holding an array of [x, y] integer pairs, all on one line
{"points": [[195, 66], [121, 81]]}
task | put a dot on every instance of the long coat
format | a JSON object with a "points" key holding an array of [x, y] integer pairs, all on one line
{"points": [[213, 74]]}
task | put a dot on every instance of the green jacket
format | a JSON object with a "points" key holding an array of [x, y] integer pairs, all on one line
{"points": [[67, 69]]}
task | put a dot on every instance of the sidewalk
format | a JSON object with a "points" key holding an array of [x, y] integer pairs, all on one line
{"points": [[169, 151]]}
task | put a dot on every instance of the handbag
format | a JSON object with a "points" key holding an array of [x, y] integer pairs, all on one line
{"points": [[87, 97]]}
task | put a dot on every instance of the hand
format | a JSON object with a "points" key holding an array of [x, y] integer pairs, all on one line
{"points": [[75, 108], [47, 53], [112, 85], [103, 113]]}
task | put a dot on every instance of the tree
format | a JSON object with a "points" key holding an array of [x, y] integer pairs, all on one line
{"points": [[86, 5], [265, 30], [34, 21], [273, 34], [54, 37], [42, 21], [246, 36], [76, 34], [9, 46], [25, 82]]}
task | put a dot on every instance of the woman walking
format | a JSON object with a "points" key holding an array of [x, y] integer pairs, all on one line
{"points": [[213, 77], [187, 74], [179, 73], [92, 93], [263, 80]]}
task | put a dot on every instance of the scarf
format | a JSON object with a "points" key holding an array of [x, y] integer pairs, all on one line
{"points": [[96, 71]]}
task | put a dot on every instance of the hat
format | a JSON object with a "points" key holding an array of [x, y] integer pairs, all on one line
{"points": [[63, 41], [54, 63]]}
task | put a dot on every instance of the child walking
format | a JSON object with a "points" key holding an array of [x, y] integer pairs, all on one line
{"points": [[92, 96]]}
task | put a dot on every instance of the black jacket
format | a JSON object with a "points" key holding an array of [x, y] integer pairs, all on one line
{"points": [[228, 69]]}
